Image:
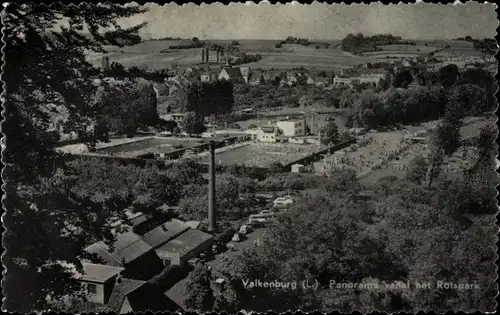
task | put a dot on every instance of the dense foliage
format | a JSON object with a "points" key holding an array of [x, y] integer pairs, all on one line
{"points": [[358, 44], [126, 106], [210, 98], [333, 237], [243, 58], [235, 198], [199, 295], [47, 75]]}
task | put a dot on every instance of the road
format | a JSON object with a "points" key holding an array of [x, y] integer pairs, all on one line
{"points": [[239, 247]]}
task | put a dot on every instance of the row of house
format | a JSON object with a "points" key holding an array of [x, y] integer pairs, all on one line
{"points": [[143, 248]]}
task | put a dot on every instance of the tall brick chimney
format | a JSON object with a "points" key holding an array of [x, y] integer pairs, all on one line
{"points": [[211, 188], [203, 55], [207, 55]]}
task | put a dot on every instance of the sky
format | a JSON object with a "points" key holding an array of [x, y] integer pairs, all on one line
{"points": [[316, 21]]}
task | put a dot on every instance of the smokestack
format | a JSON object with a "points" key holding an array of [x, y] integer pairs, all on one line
{"points": [[203, 55], [207, 53], [218, 56], [312, 123], [105, 63], [211, 188]]}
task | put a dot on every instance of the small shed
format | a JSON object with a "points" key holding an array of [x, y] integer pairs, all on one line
{"points": [[298, 168]]}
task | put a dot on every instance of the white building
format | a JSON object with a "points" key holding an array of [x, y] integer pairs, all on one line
{"points": [[205, 77], [339, 82], [269, 134], [292, 127]]}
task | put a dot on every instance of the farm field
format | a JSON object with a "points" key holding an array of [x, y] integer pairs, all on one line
{"points": [[262, 155], [148, 55]]}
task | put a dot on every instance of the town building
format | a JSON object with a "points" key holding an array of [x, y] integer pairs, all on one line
{"points": [[254, 134], [292, 127], [342, 82], [298, 168], [256, 78], [134, 296], [236, 75], [205, 77], [130, 252], [187, 245], [322, 81], [164, 233], [98, 281], [268, 134], [177, 117]]}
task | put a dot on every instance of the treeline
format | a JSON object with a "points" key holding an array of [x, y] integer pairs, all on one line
{"points": [[358, 44], [293, 40], [117, 70], [188, 46], [488, 46], [166, 38], [246, 58], [210, 98], [473, 93], [195, 43]]}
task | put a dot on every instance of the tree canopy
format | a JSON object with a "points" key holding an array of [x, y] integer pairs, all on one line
{"points": [[207, 98], [47, 76]]}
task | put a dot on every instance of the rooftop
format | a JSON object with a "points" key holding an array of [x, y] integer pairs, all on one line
{"points": [[127, 248], [121, 290], [164, 233], [186, 242], [268, 129], [98, 273], [234, 73]]}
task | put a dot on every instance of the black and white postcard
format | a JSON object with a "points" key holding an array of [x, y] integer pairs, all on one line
{"points": [[249, 157]]}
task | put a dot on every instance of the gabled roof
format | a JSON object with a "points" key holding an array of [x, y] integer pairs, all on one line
{"points": [[127, 248], [234, 73], [121, 290], [244, 70], [186, 242], [97, 273], [164, 233]]}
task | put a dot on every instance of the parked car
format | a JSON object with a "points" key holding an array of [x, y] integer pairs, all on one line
{"points": [[237, 237], [256, 218], [256, 222], [283, 201], [267, 212], [245, 229]]}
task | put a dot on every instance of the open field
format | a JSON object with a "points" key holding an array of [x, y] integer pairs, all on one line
{"points": [[132, 147], [262, 155], [148, 54]]}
